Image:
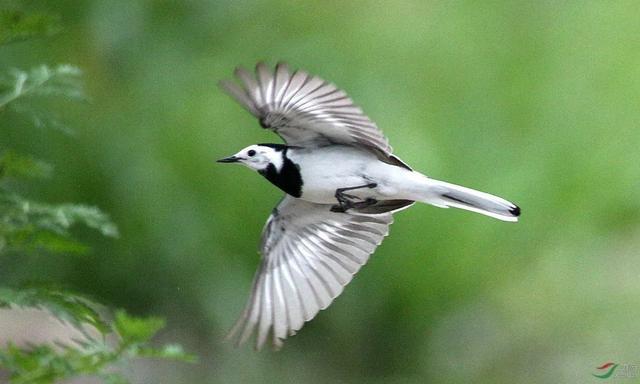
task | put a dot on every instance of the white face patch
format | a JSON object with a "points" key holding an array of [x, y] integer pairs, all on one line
{"points": [[258, 157]]}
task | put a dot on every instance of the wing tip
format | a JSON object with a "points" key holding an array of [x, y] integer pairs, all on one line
{"points": [[240, 71], [261, 66], [282, 64], [225, 84]]}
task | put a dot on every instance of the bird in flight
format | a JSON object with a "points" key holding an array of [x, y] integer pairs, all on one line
{"points": [[342, 185]]}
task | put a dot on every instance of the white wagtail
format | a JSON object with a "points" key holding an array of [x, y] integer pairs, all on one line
{"points": [[342, 185]]}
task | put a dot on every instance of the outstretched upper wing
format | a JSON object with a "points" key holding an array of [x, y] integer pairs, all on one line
{"points": [[303, 109], [308, 255]]}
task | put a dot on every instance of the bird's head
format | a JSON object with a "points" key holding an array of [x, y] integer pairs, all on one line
{"points": [[259, 156]]}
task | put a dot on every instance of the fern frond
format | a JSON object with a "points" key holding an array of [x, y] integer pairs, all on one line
{"points": [[62, 80], [18, 90], [30, 226], [69, 307]]}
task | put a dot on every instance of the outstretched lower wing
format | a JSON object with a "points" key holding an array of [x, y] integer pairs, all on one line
{"points": [[308, 255], [304, 110]]}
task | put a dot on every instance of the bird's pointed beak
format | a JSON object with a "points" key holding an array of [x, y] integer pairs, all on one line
{"points": [[230, 159]]}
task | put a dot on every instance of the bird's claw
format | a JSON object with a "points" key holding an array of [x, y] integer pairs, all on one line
{"points": [[346, 201]]}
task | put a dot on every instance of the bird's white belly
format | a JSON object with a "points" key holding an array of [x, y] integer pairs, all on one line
{"points": [[324, 170]]}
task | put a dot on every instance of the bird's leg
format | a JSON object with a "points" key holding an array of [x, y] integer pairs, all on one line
{"points": [[345, 198], [347, 201]]}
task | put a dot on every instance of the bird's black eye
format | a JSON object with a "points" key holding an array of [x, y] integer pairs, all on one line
{"points": [[251, 153]]}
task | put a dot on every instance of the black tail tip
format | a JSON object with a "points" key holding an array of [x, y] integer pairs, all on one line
{"points": [[515, 211]]}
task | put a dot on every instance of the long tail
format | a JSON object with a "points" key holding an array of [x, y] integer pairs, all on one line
{"points": [[444, 195]]}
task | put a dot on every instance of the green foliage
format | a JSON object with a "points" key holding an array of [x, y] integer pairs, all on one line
{"points": [[66, 306], [62, 80], [16, 25], [91, 355], [29, 227], [18, 88], [14, 165], [137, 330]]}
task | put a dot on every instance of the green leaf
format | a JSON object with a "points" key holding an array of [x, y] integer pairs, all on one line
{"points": [[19, 166], [63, 80], [71, 308], [135, 330], [31, 241], [68, 215], [18, 88], [44, 364], [170, 352], [31, 226], [17, 26]]}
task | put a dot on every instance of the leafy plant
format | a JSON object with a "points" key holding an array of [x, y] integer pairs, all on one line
{"points": [[94, 353], [29, 227], [19, 87]]}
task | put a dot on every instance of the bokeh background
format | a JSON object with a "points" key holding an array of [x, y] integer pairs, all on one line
{"points": [[534, 101]]}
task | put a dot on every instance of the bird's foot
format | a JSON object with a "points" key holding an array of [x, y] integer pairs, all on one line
{"points": [[347, 201], [344, 206]]}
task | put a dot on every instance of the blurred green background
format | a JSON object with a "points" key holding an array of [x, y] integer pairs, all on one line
{"points": [[534, 101]]}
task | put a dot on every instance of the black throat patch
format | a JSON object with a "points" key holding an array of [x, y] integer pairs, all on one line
{"points": [[289, 178]]}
